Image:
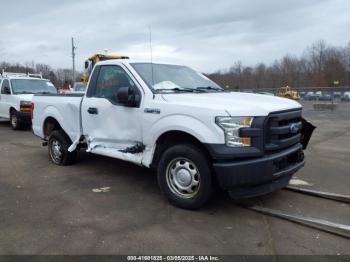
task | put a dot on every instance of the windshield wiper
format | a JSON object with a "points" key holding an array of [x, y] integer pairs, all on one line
{"points": [[178, 89], [44, 93], [24, 92], [203, 88]]}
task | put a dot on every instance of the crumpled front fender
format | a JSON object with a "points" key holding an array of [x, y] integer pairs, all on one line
{"points": [[306, 132]]}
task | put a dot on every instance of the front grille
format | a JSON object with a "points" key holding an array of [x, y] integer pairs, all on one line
{"points": [[283, 130]]}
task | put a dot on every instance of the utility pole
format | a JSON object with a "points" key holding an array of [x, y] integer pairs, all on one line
{"points": [[73, 57]]}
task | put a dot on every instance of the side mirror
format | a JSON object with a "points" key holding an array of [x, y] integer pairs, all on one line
{"points": [[7, 90], [126, 96], [86, 64]]}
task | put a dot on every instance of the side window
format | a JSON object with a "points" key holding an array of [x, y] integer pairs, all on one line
{"points": [[5, 83], [109, 80]]}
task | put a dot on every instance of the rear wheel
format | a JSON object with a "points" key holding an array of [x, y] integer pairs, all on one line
{"points": [[15, 123], [184, 176], [58, 146]]}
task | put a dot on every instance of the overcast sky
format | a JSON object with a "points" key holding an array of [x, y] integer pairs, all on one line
{"points": [[205, 34]]}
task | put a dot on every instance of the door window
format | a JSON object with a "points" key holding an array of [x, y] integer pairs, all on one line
{"points": [[5, 84], [109, 80]]}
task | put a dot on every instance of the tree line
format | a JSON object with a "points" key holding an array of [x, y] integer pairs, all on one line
{"points": [[61, 77], [318, 66]]}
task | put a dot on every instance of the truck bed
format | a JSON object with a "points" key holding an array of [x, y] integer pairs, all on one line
{"points": [[64, 108]]}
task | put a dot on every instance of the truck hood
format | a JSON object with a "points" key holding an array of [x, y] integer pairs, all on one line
{"points": [[234, 103], [25, 97]]}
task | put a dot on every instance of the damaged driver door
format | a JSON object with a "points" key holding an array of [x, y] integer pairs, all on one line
{"points": [[111, 125]]}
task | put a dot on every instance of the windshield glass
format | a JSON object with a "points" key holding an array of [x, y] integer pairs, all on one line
{"points": [[79, 87], [32, 86], [165, 78]]}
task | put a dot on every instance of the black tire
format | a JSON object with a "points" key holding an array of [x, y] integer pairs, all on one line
{"points": [[15, 122], [58, 146], [193, 161]]}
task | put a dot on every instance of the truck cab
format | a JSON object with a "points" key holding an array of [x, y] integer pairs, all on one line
{"points": [[177, 121], [16, 92]]}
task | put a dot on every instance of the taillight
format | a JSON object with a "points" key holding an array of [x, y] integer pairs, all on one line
{"points": [[32, 110]]}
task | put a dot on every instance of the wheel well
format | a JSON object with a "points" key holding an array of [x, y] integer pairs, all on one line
{"points": [[171, 138], [12, 109], [50, 125]]}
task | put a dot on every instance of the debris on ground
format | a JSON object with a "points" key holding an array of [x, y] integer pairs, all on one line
{"points": [[101, 190]]}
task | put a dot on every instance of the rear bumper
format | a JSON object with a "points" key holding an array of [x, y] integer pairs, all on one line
{"points": [[24, 117], [249, 178]]}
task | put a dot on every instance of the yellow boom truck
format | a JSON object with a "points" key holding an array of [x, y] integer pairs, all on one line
{"points": [[288, 92], [92, 60]]}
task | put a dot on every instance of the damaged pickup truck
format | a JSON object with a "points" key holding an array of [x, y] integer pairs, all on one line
{"points": [[172, 118]]}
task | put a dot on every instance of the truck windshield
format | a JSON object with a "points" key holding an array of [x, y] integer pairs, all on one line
{"points": [[174, 78], [32, 86]]}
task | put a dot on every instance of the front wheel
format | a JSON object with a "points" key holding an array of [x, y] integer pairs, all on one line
{"points": [[58, 146], [184, 176], [15, 123]]}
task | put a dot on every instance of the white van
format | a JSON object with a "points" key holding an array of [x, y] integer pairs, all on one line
{"points": [[16, 93]]}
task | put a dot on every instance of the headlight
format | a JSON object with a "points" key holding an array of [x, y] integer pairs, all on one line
{"points": [[231, 126]]}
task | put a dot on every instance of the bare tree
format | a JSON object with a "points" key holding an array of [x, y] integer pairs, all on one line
{"points": [[319, 65]]}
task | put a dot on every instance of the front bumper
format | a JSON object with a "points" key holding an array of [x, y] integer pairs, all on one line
{"points": [[253, 177]]}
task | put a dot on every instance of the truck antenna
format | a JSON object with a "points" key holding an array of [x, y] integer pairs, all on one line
{"points": [[151, 53]]}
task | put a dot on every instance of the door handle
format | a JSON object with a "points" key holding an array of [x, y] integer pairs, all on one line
{"points": [[92, 110]]}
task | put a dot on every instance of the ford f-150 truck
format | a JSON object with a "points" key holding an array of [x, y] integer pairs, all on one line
{"points": [[172, 118]]}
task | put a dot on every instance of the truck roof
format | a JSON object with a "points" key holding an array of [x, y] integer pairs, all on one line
{"points": [[130, 61], [10, 75], [27, 78], [108, 56]]}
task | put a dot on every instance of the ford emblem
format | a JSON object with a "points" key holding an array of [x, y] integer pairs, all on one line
{"points": [[294, 128]]}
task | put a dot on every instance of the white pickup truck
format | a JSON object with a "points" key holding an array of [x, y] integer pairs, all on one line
{"points": [[175, 119], [16, 93]]}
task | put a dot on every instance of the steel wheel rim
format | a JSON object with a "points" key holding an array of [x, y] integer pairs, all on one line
{"points": [[183, 178], [14, 121], [56, 151]]}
